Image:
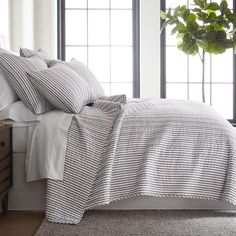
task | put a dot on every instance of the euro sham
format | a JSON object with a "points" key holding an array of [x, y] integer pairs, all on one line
{"points": [[63, 87], [16, 67], [7, 93], [84, 72], [24, 52]]}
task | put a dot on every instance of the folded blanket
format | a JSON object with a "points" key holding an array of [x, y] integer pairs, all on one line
{"points": [[162, 148]]}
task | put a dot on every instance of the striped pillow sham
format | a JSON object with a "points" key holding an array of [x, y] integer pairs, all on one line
{"points": [[84, 72], [65, 89], [115, 98], [24, 52], [16, 68], [7, 93]]}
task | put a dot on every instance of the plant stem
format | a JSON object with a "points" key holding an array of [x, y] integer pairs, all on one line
{"points": [[203, 75]]}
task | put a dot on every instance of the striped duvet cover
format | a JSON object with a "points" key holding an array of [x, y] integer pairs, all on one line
{"points": [[162, 148]]}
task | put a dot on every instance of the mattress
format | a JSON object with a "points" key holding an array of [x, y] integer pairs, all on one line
{"points": [[22, 195]]}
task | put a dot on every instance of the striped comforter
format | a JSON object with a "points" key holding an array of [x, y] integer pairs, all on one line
{"points": [[162, 148]]}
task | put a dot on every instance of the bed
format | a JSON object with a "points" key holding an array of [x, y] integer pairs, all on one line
{"points": [[107, 152], [31, 196]]}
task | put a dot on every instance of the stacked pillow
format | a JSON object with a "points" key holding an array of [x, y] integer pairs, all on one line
{"points": [[84, 72], [7, 94], [16, 67], [24, 52], [65, 85], [64, 88]]}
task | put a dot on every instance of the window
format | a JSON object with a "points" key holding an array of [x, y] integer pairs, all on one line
{"points": [[181, 74], [104, 35]]}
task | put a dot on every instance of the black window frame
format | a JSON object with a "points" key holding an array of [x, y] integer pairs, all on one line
{"points": [[61, 41], [163, 64]]}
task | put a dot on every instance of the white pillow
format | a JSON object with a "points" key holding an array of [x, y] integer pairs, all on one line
{"points": [[18, 112], [7, 94]]}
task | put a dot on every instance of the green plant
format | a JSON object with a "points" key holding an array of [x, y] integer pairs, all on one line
{"points": [[208, 26]]}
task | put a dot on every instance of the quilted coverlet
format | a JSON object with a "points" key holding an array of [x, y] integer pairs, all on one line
{"points": [[162, 148]]}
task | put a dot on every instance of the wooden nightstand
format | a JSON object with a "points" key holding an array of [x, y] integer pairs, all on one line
{"points": [[5, 164]]}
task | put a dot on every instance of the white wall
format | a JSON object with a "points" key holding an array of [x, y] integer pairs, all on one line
{"points": [[33, 25], [150, 48], [45, 26], [4, 23], [21, 24]]}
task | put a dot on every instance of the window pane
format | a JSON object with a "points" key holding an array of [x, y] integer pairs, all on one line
{"points": [[98, 3], [121, 4], [76, 3], [195, 68], [222, 99], [79, 53], [176, 91], [191, 4], [121, 64], [222, 67], [171, 40], [122, 88], [107, 88], [218, 72], [174, 4], [76, 36], [121, 23], [102, 40], [99, 62], [98, 27], [195, 92], [176, 65]]}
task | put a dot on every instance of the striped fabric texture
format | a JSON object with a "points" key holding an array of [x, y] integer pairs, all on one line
{"points": [[24, 52], [7, 93], [84, 72], [63, 87], [115, 98], [160, 148], [16, 68]]}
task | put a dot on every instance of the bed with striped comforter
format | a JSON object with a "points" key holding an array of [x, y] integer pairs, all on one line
{"points": [[150, 147]]}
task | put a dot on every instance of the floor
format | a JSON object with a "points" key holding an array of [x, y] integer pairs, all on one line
{"points": [[20, 223]]}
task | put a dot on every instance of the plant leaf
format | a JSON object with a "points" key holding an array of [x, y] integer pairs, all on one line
{"points": [[191, 17], [200, 3], [232, 18], [186, 14], [192, 26], [174, 30], [163, 15], [223, 7], [212, 6]]}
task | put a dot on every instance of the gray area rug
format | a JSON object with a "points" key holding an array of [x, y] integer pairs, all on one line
{"points": [[146, 222]]}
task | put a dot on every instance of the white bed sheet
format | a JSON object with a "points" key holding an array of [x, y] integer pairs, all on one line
{"points": [[46, 147]]}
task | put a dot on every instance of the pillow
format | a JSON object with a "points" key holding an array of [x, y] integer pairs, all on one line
{"points": [[16, 68], [63, 87], [84, 72], [7, 94], [24, 52], [8, 52], [18, 112], [115, 98]]}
